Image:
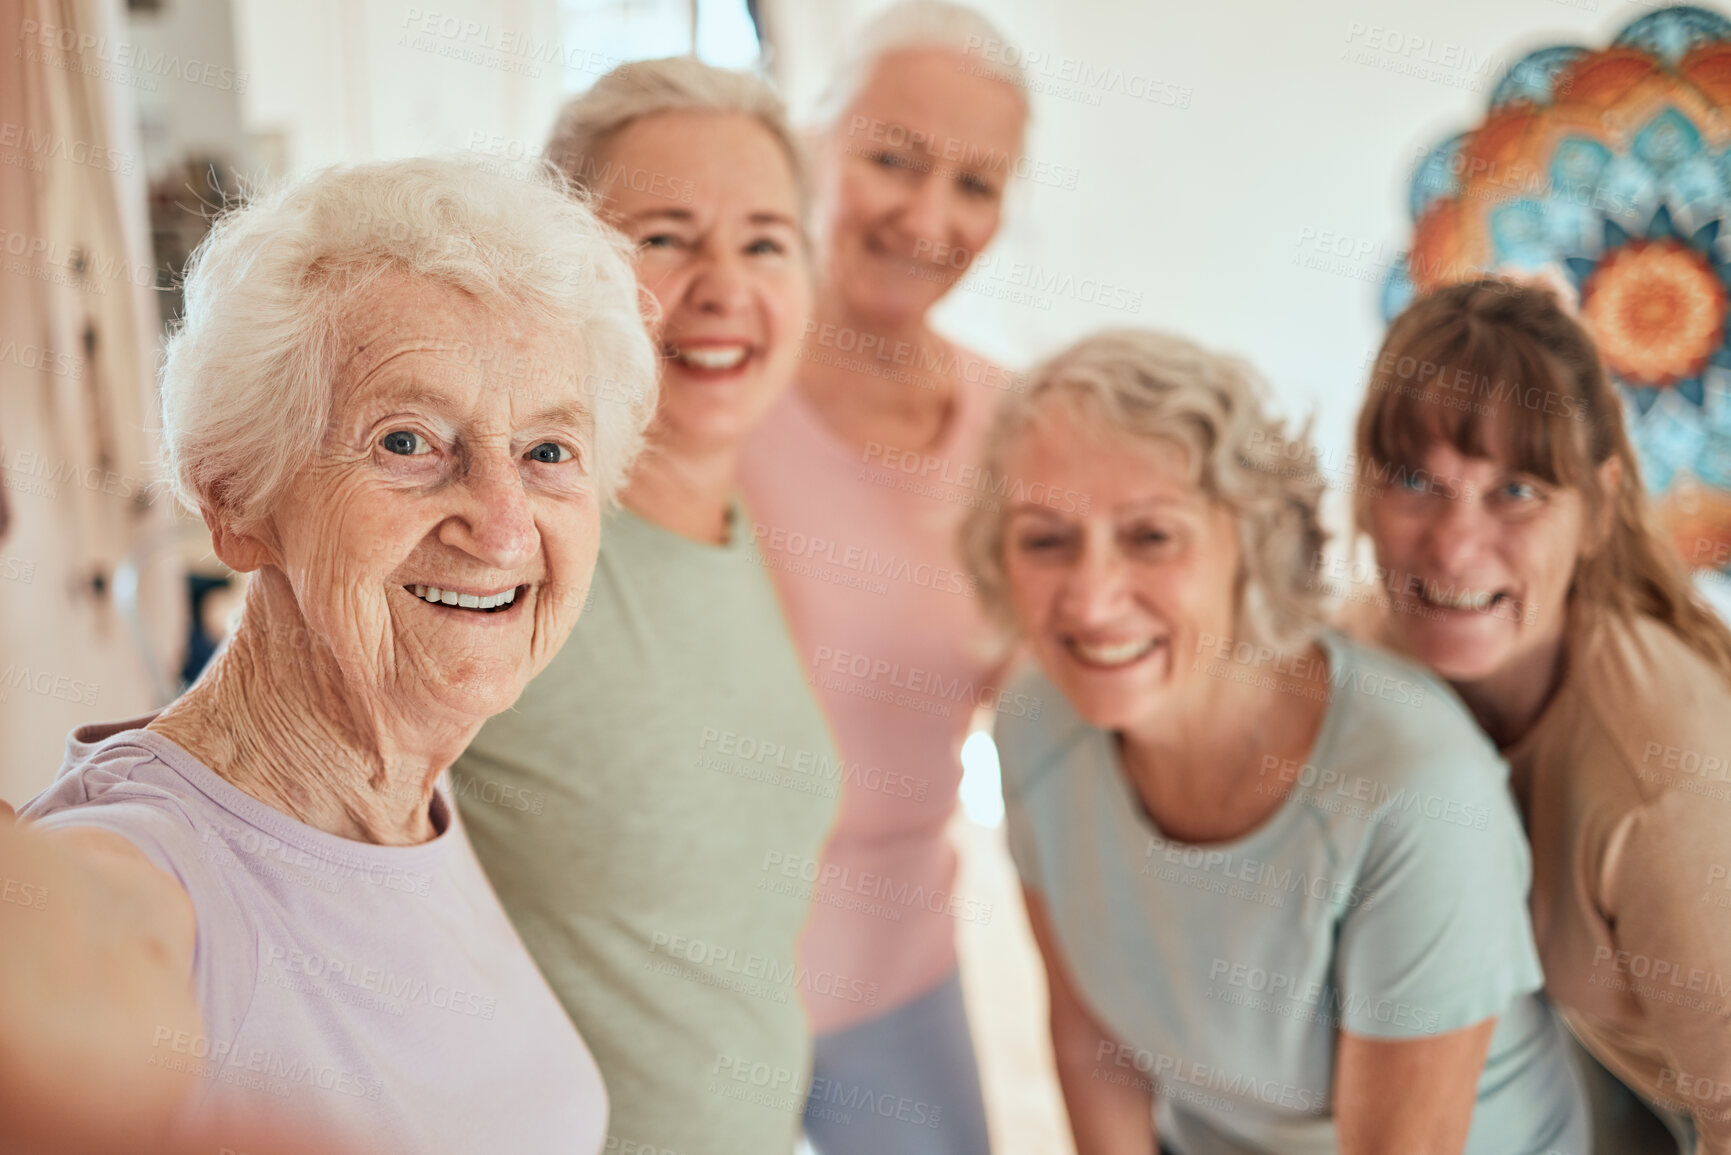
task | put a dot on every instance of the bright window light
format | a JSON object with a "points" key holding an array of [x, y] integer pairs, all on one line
{"points": [[982, 789], [647, 29], [725, 36]]}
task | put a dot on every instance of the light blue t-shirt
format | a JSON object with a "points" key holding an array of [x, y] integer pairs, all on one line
{"points": [[1385, 896]]}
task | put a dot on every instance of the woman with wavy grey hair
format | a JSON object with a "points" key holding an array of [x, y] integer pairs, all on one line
{"points": [[919, 142], [1275, 876], [401, 398]]}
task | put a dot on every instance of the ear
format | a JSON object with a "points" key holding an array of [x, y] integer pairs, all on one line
{"points": [[1610, 484], [242, 552]]}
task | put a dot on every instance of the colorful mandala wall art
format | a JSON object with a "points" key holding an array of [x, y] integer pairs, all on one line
{"points": [[1607, 172]]}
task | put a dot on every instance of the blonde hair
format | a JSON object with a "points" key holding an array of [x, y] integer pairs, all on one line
{"points": [[246, 388], [1158, 387], [589, 123]]}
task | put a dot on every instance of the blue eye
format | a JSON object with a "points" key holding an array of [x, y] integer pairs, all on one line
{"points": [[658, 241], [405, 443], [549, 453], [1519, 491], [889, 160], [774, 248], [1413, 481]]}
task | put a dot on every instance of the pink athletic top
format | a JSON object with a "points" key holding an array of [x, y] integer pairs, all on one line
{"points": [[861, 544], [376, 994]]}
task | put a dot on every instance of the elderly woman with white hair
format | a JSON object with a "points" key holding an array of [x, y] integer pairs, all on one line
{"points": [[1276, 877], [402, 396], [647, 809], [858, 480]]}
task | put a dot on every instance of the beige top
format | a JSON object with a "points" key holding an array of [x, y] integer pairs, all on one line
{"points": [[1625, 781]]}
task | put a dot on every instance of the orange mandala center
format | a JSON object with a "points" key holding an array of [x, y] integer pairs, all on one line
{"points": [[1657, 310]]}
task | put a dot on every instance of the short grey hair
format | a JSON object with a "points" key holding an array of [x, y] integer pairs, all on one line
{"points": [[1158, 387], [589, 123], [915, 26], [247, 384]]}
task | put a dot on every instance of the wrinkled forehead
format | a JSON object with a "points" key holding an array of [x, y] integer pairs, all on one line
{"points": [[930, 101], [1081, 419], [401, 334], [1072, 435], [684, 161]]}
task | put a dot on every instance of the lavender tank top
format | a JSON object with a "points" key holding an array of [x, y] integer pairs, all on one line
{"points": [[377, 994]]}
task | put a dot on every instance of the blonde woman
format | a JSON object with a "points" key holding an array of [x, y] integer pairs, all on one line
{"points": [[634, 808]]}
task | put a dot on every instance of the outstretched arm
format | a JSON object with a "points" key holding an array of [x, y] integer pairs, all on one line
{"points": [[95, 971]]}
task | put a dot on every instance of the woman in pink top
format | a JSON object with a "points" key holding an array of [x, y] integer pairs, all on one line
{"points": [[1520, 561], [857, 482], [402, 395]]}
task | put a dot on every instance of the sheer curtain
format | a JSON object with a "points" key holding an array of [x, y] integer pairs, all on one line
{"points": [[78, 342]]}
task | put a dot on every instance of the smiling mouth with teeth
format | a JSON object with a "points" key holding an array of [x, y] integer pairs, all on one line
{"points": [[482, 603], [1476, 600], [1121, 654], [714, 358]]}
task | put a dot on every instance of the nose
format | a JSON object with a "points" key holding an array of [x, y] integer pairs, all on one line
{"points": [[495, 524], [1095, 587], [1456, 532], [720, 285], [926, 214]]}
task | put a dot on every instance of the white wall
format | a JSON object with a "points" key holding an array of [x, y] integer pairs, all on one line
{"points": [[352, 80]]}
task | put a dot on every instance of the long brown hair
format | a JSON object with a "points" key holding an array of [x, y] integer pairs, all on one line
{"points": [[1495, 368]]}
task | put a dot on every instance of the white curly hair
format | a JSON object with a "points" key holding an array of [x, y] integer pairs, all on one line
{"points": [[246, 386]]}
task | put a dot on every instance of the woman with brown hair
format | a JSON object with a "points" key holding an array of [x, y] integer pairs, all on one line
{"points": [[1521, 563]]}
